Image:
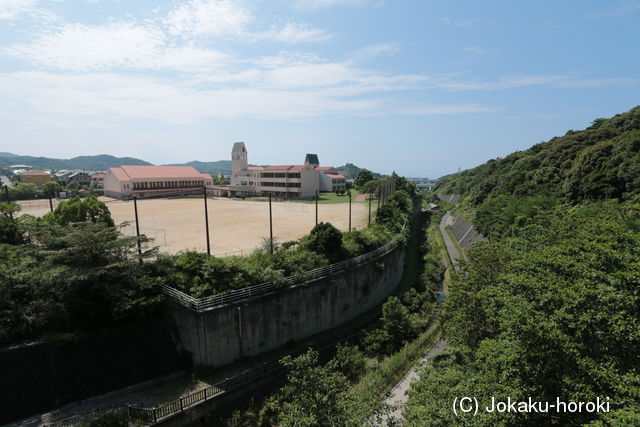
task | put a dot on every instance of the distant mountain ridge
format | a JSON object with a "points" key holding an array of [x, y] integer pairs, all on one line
{"points": [[99, 162], [215, 168], [105, 161]]}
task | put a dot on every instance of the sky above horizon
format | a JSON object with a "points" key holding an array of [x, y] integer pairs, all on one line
{"points": [[419, 87]]}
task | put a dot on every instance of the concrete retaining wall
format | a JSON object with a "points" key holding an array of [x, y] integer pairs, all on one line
{"points": [[464, 232], [221, 335]]}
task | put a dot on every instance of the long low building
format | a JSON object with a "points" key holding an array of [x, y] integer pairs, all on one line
{"points": [[147, 181], [287, 181]]}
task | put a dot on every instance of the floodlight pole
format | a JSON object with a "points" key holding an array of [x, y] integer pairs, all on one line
{"points": [[270, 226], [316, 207], [349, 210], [206, 218], [135, 208]]}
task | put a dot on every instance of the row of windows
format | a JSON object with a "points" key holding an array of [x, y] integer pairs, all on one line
{"points": [[280, 184], [280, 175], [166, 184], [338, 181]]}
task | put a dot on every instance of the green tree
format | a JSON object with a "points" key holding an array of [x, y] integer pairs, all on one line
{"points": [[326, 240], [80, 210], [51, 188], [312, 396], [362, 178]]}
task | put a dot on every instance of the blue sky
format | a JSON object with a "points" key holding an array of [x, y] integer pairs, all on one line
{"points": [[420, 87]]}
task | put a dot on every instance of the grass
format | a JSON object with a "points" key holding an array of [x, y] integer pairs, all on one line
{"points": [[444, 256], [393, 368], [454, 240]]}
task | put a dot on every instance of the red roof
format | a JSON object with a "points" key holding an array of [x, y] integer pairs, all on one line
{"points": [[97, 175], [332, 175], [255, 168], [281, 167], [324, 168], [128, 172]]}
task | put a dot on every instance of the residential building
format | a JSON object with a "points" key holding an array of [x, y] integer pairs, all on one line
{"points": [[286, 181], [37, 177], [146, 181], [97, 179]]}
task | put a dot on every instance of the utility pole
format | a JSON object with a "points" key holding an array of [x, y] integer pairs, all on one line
{"points": [[135, 208], [316, 207], [50, 203], [270, 226], [206, 219], [349, 210], [370, 195]]}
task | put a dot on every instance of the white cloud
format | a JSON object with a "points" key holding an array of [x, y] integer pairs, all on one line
{"points": [[292, 33], [209, 18], [622, 9], [556, 80], [458, 23], [82, 47], [374, 50], [475, 50], [233, 19], [17, 9], [11, 9], [313, 5]]}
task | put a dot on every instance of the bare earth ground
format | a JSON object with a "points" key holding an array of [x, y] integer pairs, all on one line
{"points": [[235, 226]]}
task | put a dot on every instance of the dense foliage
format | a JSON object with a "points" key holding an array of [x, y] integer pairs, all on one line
{"points": [[552, 311], [600, 162], [59, 276]]}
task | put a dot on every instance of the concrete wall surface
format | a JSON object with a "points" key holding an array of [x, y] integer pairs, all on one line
{"points": [[38, 377], [223, 334]]}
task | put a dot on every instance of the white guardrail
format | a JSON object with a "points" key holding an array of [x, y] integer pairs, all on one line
{"points": [[200, 304]]}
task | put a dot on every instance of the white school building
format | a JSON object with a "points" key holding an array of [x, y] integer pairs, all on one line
{"points": [[286, 181]]}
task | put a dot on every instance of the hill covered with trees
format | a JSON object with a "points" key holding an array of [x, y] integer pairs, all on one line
{"points": [[549, 307], [99, 162], [602, 161]]}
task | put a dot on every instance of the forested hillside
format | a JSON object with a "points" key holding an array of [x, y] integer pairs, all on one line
{"points": [[549, 308], [602, 161], [99, 162]]}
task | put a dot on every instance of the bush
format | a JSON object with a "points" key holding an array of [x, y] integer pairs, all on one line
{"points": [[349, 361], [326, 240]]}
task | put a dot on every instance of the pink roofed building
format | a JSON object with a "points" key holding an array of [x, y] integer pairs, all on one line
{"points": [[146, 181], [286, 181]]}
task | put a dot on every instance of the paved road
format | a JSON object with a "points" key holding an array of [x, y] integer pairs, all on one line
{"points": [[398, 394]]}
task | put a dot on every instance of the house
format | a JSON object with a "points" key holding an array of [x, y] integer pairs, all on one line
{"points": [[37, 177]]}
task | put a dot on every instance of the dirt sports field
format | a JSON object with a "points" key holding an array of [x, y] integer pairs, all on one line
{"points": [[234, 225]]}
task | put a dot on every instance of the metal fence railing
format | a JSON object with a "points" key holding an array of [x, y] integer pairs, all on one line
{"points": [[155, 414], [200, 304]]}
